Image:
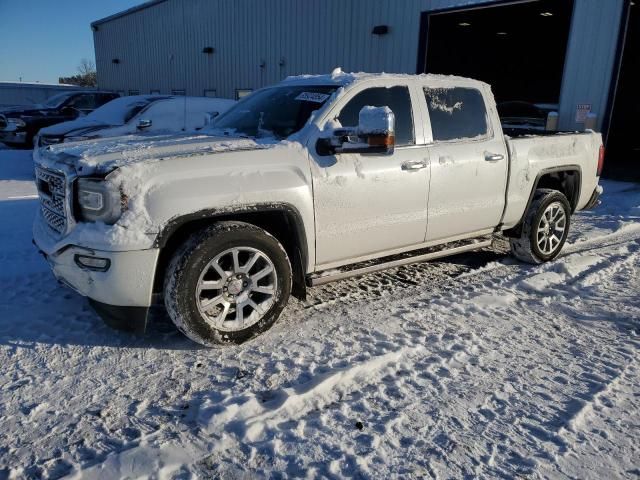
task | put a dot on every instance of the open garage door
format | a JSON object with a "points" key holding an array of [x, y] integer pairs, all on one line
{"points": [[517, 47], [623, 142]]}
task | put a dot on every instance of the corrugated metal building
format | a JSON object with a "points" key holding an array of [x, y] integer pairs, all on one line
{"points": [[226, 47]]}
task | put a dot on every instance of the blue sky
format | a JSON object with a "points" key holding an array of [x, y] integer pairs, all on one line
{"points": [[41, 40]]}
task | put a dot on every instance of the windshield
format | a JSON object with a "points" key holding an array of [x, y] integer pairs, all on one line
{"points": [[57, 100], [120, 110], [274, 112]]}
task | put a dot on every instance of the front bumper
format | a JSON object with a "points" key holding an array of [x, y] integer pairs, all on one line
{"points": [[13, 137], [121, 294]]}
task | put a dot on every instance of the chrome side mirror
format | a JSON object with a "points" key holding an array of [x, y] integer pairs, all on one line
{"points": [[144, 123]]}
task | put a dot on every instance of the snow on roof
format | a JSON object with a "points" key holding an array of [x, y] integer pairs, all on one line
{"points": [[340, 78], [42, 84]]}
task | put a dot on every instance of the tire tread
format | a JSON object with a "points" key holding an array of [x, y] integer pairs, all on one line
{"points": [[521, 247]]}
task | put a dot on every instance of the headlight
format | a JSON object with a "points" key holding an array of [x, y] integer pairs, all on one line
{"points": [[97, 201], [18, 122], [44, 141]]}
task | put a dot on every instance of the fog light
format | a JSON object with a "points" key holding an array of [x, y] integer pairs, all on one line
{"points": [[93, 263]]}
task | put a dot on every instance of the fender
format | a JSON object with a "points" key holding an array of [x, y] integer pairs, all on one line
{"points": [[573, 201], [298, 249]]}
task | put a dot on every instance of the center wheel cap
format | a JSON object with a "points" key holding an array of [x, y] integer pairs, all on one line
{"points": [[235, 287]]}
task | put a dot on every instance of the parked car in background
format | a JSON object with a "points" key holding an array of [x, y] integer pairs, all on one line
{"points": [[19, 125], [316, 179], [522, 115], [139, 113]]}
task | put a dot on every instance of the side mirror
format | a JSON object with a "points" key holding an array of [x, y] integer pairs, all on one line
{"points": [[70, 112], [209, 117], [374, 134], [144, 123]]}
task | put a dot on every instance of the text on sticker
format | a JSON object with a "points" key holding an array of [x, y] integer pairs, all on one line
{"points": [[312, 97]]}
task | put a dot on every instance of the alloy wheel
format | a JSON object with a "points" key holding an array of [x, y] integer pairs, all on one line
{"points": [[236, 289]]}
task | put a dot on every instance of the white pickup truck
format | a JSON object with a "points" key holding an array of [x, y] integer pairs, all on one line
{"points": [[314, 179]]}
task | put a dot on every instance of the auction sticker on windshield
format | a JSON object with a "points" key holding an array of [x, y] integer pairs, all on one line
{"points": [[312, 97]]}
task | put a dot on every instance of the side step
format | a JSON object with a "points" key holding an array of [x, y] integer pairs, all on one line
{"points": [[385, 263]]}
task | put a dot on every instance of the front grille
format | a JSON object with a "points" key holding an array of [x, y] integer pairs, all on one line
{"points": [[3, 122], [52, 193]]}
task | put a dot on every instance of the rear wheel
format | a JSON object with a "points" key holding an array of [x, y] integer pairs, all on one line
{"points": [[228, 283], [545, 228]]}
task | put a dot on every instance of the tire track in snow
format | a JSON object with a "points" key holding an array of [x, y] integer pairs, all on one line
{"points": [[577, 274], [447, 273], [429, 380], [248, 419], [433, 370], [256, 414]]}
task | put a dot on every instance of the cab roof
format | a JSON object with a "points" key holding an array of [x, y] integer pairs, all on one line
{"points": [[343, 79]]}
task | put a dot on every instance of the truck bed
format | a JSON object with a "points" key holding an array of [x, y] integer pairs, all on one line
{"points": [[528, 132], [533, 155]]}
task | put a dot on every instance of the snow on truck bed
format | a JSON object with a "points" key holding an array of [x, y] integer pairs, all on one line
{"points": [[474, 366]]}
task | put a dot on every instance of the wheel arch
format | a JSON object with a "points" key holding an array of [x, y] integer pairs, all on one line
{"points": [[281, 220], [565, 179]]}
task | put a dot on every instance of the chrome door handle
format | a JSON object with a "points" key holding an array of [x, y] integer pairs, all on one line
{"points": [[493, 157], [414, 165]]}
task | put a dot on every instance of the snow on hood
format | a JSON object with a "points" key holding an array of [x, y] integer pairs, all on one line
{"points": [[104, 155], [77, 126], [26, 110]]}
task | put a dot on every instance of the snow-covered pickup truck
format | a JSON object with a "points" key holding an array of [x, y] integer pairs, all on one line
{"points": [[315, 179]]}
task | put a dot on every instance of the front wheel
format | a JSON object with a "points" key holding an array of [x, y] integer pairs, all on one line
{"points": [[545, 228], [228, 283]]}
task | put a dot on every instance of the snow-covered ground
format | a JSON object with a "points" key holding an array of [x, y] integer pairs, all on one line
{"points": [[477, 366]]}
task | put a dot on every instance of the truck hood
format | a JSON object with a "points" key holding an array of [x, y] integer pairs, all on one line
{"points": [[104, 155], [80, 126], [27, 111]]}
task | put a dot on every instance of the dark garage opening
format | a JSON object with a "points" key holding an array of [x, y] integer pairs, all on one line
{"points": [[518, 48], [622, 159]]}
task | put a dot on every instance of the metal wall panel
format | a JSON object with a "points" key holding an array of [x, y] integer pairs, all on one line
{"points": [[590, 63], [259, 42]]}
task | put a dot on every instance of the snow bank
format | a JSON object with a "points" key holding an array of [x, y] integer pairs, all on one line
{"points": [[253, 417]]}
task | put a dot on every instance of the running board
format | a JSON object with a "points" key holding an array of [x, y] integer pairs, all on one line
{"points": [[354, 271]]}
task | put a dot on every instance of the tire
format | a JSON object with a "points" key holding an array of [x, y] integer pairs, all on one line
{"points": [[207, 260], [547, 210]]}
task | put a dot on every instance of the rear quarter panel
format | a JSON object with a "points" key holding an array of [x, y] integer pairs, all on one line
{"points": [[532, 156]]}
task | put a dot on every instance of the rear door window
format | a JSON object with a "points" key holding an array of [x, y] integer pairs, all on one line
{"points": [[85, 102], [456, 113], [396, 98]]}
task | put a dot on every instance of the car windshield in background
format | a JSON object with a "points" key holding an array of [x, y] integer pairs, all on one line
{"points": [[521, 112], [274, 112], [121, 110], [57, 100]]}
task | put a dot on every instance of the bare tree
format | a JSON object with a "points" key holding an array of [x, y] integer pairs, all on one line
{"points": [[86, 75], [86, 67]]}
